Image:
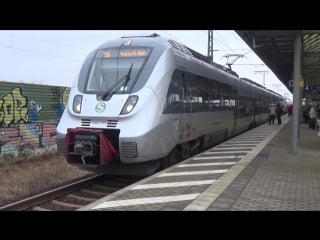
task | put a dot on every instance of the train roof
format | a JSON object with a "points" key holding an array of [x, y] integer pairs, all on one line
{"points": [[275, 93], [198, 56], [252, 82], [163, 42], [145, 39]]}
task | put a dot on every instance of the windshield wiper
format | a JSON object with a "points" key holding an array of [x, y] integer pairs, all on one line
{"points": [[125, 77]]}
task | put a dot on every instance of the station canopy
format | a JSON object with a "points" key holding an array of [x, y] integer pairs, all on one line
{"points": [[276, 50]]}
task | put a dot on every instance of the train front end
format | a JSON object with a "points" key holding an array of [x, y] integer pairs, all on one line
{"points": [[109, 94]]}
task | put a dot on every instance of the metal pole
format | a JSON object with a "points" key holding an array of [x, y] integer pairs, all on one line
{"points": [[264, 76], [296, 94], [210, 45]]}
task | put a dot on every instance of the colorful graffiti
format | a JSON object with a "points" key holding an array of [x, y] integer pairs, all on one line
{"points": [[28, 115], [63, 101], [14, 108]]}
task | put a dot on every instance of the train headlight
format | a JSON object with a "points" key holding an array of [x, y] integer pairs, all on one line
{"points": [[77, 101], [131, 102]]}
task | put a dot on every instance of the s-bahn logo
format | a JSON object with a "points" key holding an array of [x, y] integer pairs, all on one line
{"points": [[100, 107]]}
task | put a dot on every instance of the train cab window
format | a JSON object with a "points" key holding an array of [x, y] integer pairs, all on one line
{"points": [[111, 67]]}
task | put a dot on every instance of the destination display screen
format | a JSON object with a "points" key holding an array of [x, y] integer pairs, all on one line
{"points": [[134, 53], [124, 53]]}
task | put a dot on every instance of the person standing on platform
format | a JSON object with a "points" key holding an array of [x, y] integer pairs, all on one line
{"points": [[289, 109], [272, 113], [305, 113], [278, 113], [318, 122], [313, 118], [318, 118]]}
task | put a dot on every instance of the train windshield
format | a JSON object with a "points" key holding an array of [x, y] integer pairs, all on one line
{"points": [[111, 66]]}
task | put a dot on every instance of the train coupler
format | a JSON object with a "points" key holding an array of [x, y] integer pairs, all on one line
{"points": [[88, 146]]}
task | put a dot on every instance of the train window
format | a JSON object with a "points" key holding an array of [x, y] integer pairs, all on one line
{"points": [[214, 95], [194, 96], [245, 107], [175, 96], [228, 101], [203, 87], [258, 106]]}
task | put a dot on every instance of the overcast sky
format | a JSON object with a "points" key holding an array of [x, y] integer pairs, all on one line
{"points": [[55, 57]]}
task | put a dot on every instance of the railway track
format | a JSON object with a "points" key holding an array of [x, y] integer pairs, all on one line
{"points": [[72, 196], [76, 195]]}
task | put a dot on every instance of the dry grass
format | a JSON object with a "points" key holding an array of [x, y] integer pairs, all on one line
{"points": [[22, 178]]}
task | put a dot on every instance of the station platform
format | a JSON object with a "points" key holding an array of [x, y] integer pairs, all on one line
{"points": [[254, 171]]}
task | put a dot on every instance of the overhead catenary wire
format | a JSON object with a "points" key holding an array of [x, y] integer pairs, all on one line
{"points": [[47, 41], [39, 53], [28, 44]]}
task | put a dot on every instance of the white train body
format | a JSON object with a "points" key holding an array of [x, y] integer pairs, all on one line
{"points": [[151, 96]]}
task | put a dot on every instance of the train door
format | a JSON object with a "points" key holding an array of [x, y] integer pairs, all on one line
{"points": [[228, 106], [257, 109], [235, 109], [185, 116]]}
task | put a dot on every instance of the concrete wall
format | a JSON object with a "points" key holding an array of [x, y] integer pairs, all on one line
{"points": [[28, 116]]}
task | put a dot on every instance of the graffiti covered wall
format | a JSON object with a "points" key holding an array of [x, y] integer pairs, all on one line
{"points": [[29, 114]]}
